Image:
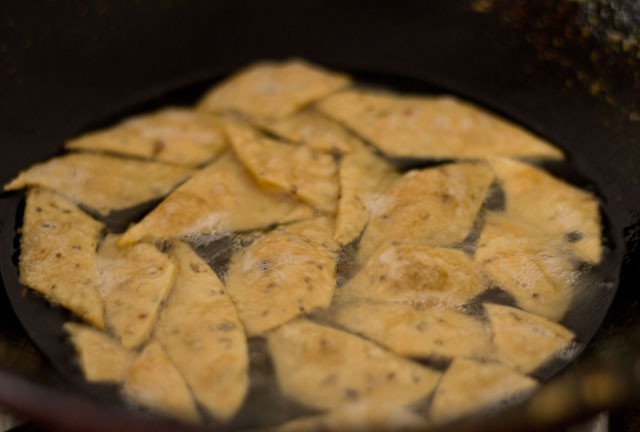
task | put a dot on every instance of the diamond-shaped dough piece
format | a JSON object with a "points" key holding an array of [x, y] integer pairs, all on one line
{"points": [[525, 341], [310, 176], [134, 281], [313, 130], [417, 275], [273, 89], [102, 183], [180, 136], [538, 271], [101, 358], [436, 206], [220, 199], [408, 331], [469, 386], [280, 276], [58, 254], [199, 330], [154, 382], [555, 207], [441, 127], [323, 368]]}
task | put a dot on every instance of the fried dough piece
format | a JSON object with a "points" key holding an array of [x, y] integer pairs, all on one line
{"points": [[200, 331], [525, 341], [314, 131], [154, 382], [134, 281], [280, 276], [362, 175], [310, 176], [273, 89], [432, 332], [417, 275], [219, 199], [436, 206], [323, 368], [102, 183], [536, 270], [180, 136], [58, 254], [101, 358], [359, 416], [559, 209], [441, 127], [468, 387]]}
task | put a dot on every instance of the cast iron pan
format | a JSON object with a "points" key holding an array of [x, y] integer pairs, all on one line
{"points": [[568, 71]]}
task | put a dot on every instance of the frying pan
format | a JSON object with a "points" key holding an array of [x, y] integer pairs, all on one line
{"points": [[567, 70]]}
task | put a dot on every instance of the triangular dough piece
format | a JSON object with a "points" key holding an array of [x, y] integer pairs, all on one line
{"points": [[555, 207], [134, 281], [437, 206], [536, 270], [180, 136], [417, 275], [431, 333], [101, 358], [432, 127], [468, 387], [102, 183], [525, 341], [154, 382], [273, 89], [310, 176], [219, 199], [312, 130], [58, 254], [323, 368], [362, 176], [200, 331], [280, 276]]}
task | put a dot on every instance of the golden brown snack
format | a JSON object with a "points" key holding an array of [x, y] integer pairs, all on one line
{"points": [[281, 275], [525, 341], [101, 358], [58, 254], [469, 386], [273, 89], [200, 331], [559, 209], [220, 199], [440, 127], [175, 135], [308, 175], [408, 331], [153, 382], [538, 271], [134, 281], [324, 368], [436, 206], [102, 183]]}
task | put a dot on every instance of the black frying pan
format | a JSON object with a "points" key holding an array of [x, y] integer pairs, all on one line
{"points": [[566, 70]]}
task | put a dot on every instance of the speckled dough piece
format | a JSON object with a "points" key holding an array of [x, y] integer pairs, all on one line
{"points": [[273, 89], [102, 183], [440, 127], [220, 199], [469, 386], [134, 281], [525, 341], [200, 331], [324, 368], [58, 254], [101, 358], [180, 136]]}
